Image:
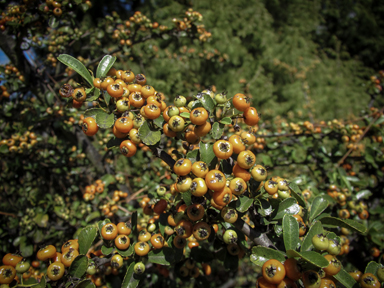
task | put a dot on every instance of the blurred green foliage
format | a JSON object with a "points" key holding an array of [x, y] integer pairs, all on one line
{"points": [[300, 56]]}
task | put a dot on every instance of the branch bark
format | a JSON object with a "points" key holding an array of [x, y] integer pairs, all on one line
{"points": [[256, 237]]}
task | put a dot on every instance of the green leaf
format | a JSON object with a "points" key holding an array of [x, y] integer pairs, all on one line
{"points": [[187, 197], [363, 194], [377, 238], [185, 114], [106, 250], [370, 158], [242, 204], [206, 152], [105, 120], [93, 112], [207, 102], [353, 179], [107, 97], [4, 149], [65, 29], [260, 255], [85, 284], [163, 222], [27, 20], [18, 240], [126, 253], [296, 192], [105, 65], [193, 155], [31, 281], [379, 120], [93, 215], [311, 257], [79, 266], [164, 256], [95, 96], [148, 135], [26, 249], [217, 130], [108, 179], [159, 121], [332, 235], [346, 223], [86, 238], [178, 216], [226, 121], [286, 207], [90, 90], [131, 280], [50, 97], [316, 228], [42, 283], [263, 207], [114, 142], [346, 280], [196, 104], [84, 7], [77, 66], [52, 22], [343, 176], [372, 268], [290, 232], [319, 204], [41, 220], [328, 198], [38, 236], [8, 107], [278, 229]]}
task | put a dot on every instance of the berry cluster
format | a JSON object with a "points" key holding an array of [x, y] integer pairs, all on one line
{"points": [[20, 143]]}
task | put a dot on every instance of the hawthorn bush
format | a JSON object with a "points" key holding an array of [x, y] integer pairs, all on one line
{"points": [[107, 181]]}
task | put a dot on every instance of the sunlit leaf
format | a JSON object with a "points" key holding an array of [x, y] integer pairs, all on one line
{"points": [[105, 65], [76, 65]]}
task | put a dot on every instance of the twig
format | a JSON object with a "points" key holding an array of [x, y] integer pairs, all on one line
{"points": [[8, 214], [53, 91], [93, 247], [133, 196], [82, 36], [123, 209]]}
